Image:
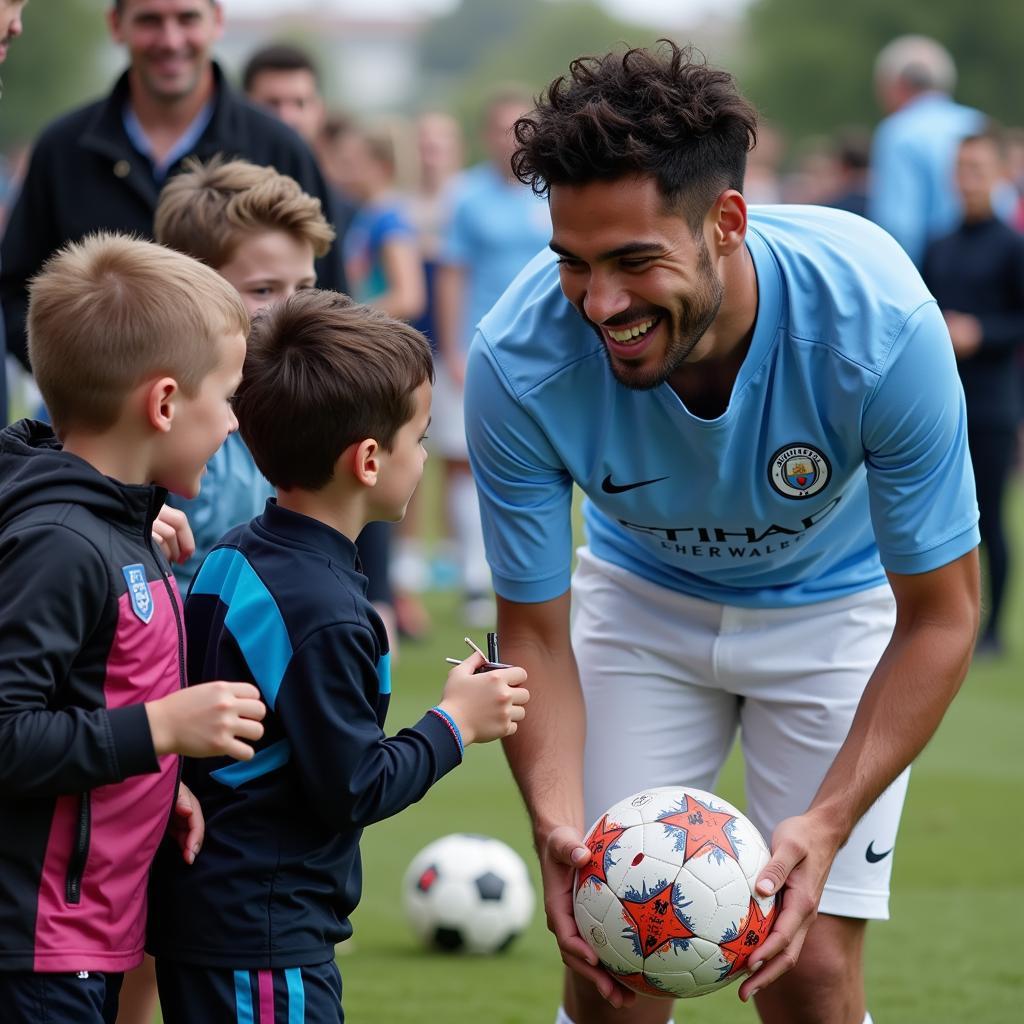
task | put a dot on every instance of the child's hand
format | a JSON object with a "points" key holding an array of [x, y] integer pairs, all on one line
{"points": [[187, 826], [485, 705], [207, 720], [172, 532]]}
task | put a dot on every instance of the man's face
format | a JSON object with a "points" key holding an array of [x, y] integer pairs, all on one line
{"points": [[635, 272], [10, 24], [979, 168], [169, 43], [292, 97], [269, 267]]}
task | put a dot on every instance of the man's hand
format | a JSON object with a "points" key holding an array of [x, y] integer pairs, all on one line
{"points": [[802, 855], [964, 331], [187, 826], [172, 532], [560, 854]]}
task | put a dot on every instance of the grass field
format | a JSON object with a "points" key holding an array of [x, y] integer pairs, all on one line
{"points": [[949, 954]]}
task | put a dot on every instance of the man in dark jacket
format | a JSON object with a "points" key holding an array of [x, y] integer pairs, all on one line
{"points": [[977, 277], [102, 166]]}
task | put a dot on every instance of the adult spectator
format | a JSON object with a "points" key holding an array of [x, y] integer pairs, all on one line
{"points": [[285, 81], [102, 166], [911, 193], [977, 277]]}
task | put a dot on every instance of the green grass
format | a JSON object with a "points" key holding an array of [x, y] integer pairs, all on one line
{"points": [[948, 954]]}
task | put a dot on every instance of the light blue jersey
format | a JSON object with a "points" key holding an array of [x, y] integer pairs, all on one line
{"points": [[844, 438]]}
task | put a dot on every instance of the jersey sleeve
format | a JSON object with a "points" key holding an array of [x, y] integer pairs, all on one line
{"points": [[920, 481], [354, 773], [47, 748], [524, 488]]}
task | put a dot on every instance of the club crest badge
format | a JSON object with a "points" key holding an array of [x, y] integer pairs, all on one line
{"points": [[799, 471], [138, 591]]}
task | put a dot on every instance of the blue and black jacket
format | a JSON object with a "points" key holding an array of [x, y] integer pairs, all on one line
{"points": [[280, 602]]}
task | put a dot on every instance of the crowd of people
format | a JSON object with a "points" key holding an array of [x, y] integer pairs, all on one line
{"points": [[261, 200]]}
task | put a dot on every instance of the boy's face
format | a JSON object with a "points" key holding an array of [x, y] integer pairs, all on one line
{"points": [[269, 267], [202, 423], [402, 467]]}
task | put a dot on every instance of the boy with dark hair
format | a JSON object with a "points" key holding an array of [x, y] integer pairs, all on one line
{"points": [[334, 406], [137, 351]]}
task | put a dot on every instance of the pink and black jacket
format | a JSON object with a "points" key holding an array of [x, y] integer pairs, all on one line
{"points": [[90, 628]]}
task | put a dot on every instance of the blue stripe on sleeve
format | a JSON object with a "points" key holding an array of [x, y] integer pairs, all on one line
{"points": [[296, 995], [384, 673], [267, 760], [243, 998], [253, 618]]}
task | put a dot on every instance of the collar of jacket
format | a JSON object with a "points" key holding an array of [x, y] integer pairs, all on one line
{"points": [[105, 134]]}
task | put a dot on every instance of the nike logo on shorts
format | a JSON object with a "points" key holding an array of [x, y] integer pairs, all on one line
{"points": [[609, 488], [874, 858]]}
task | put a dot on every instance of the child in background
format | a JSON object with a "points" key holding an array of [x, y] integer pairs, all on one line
{"points": [[260, 232], [137, 351], [334, 407]]}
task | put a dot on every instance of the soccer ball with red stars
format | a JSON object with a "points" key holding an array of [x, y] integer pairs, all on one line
{"points": [[667, 898]]}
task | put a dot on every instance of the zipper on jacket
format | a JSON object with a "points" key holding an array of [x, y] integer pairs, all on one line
{"points": [[80, 851], [182, 681]]}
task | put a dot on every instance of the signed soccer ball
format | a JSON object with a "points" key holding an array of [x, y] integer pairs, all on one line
{"points": [[667, 898], [468, 894]]}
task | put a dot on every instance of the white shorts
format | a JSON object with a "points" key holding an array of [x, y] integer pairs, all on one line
{"points": [[447, 424], [668, 679]]}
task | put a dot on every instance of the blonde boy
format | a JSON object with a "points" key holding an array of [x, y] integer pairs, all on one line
{"points": [[137, 351], [260, 232]]}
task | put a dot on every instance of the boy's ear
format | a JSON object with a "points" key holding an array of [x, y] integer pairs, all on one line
{"points": [[365, 461], [160, 398]]}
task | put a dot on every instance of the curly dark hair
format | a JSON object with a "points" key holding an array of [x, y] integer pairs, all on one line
{"points": [[661, 113]]}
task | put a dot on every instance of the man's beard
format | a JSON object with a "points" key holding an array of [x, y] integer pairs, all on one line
{"points": [[685, 327]]}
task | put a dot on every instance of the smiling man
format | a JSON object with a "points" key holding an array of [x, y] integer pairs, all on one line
{"points": [[763, 411], [102, 166]]}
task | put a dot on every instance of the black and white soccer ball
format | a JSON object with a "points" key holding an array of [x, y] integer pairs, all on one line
{"points": [[468, 894]]}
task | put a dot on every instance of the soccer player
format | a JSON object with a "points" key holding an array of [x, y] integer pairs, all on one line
{"points": [[261, 232], [334, 406], [137, 351], [763, 412]]}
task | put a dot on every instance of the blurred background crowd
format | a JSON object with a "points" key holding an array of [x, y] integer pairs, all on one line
{"points": [[902, 113]]}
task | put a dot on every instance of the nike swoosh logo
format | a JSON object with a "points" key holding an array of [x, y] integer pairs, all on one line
{"points": [[609, 488], [874, 858]]}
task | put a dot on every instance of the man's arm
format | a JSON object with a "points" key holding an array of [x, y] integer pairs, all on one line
{"points": [[908, 693], [546, 758]]}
